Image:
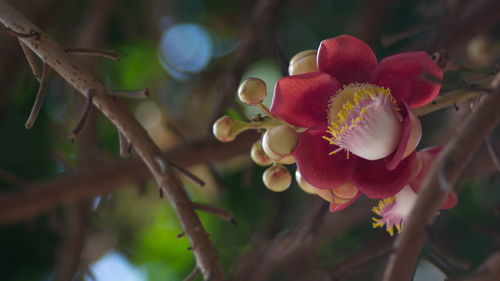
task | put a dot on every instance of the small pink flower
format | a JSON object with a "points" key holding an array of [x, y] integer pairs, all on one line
{"points": [[393, 211], [361, 132]]}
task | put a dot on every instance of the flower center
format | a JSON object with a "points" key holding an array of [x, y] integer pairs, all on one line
{"points": [[393, 211], [364, 119]]}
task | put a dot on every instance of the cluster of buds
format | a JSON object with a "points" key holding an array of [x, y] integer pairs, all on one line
{"points": [[279, 138]]}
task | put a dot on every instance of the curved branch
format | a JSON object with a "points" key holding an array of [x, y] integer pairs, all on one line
{"points": [[60, 61], [447, 168]]}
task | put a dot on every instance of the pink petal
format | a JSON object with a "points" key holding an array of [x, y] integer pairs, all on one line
{"points": [[375, 181], [334, 207], [346, 58], [410, 137], [302, 100], [316, 165], [426, 157], [404, 75]]}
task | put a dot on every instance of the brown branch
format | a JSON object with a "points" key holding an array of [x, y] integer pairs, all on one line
{"points": [[219, 212], [87, 107], [493, 152], [42, 89], [125, 146], [61, 62], [188, 174], [488, 271], [11, 178], [139, 94], [193, 274], [35, 68], [72, 187], [92, 52], [372, 251], [447, 169]]}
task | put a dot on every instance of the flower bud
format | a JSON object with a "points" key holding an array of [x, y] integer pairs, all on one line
{"points": [[303, 62], [304, 185], [225, 129], [259, 156], [252, 91], [277, 178], [279, 142], [287, 160]]}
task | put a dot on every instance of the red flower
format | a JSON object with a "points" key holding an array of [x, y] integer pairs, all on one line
{"points": [[394, 211], [362, 109]]}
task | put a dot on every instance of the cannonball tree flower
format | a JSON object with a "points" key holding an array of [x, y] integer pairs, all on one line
{"points": [[361, 134], [394, 210]]}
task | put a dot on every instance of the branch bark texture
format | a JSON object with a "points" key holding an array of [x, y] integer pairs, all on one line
{"points": [[438, 183], [59, 60]]}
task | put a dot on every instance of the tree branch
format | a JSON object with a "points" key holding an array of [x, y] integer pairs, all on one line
{"points": [[59, 60], [37, 198], [438, 183]]}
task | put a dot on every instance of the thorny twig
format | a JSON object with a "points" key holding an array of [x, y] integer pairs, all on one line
{"points": [[35, 68], [219, 212], [93, 52], [42, 89], [59, 60], [139, 94], [87, 107]]}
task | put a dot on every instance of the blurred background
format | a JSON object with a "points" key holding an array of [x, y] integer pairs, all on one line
{"points": [[94, 216]]}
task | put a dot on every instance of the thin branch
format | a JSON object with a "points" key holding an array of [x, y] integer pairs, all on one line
{"points": [[138, 94], [11, 178], [87, 107], [188, 174], [93, 52], [493, 152], [35, 68], [18, 34], [125, 146], [449, 165], [348, 269], [62, 63], [448, 99], [80, 185], [391, 39], [193, 274], [219, 212], [42, 89]]}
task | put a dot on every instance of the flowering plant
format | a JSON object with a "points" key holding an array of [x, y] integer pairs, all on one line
{"points": [[347, 122]]}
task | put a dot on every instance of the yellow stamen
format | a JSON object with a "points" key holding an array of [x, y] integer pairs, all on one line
{"points": [[347, 99]]}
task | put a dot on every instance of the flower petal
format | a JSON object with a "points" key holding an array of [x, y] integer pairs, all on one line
{"points": [[302, 100], [334, 207], [346, 58], [404, 74], [426, 157], [316, 165], [410, 137], [375, 181]]}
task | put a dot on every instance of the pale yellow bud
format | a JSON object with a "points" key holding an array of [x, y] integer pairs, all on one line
{"points": [[303, 62], [225, 129], [277, 178], [259, 156], [304, 185], [287, 160], [252, 91], [280, 141]]}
